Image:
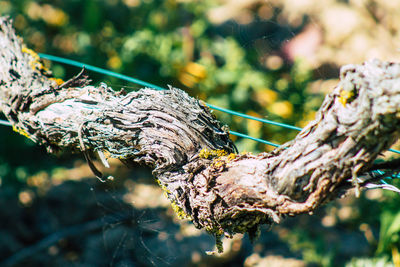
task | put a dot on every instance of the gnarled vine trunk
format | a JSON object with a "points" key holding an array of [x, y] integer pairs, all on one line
{"points": [[192, 156]]}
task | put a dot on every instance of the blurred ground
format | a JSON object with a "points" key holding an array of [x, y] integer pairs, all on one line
{"points": [[272, 59], [131, 224]]}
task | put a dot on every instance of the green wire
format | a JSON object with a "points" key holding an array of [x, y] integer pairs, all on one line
{"points": [[146, 84], [254, 118], [254, 139], [99, 70], [6, 123], [140, 82]]}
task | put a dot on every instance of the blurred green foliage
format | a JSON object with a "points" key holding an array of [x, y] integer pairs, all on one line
{"points": [[389, 240], [174, 42]]}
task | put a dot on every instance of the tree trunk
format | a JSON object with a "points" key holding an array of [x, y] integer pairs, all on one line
{"points": [[192, 156]]}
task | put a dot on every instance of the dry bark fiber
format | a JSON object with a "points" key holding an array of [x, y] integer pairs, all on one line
{"points": [[190, 152]]}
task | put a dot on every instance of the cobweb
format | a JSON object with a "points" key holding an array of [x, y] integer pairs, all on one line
{"points": [[155, 237], [277, 36], [132, 222]]}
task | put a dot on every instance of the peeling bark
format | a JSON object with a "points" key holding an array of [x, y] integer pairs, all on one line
{"points": [[191, 154]]}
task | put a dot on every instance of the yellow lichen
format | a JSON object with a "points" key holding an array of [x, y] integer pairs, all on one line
{"points": [[30, 52], [175, 207], [346, 97], [163, 187], [215, 230], [21, 131], [208, 154], [220, 162], [57, 80], [231, 156], [35, 62], [179, 211]]}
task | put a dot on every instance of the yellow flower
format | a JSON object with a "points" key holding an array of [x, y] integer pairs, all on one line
{"points": [[192, 73], [114, 62], [265, 96], [283, 109]]}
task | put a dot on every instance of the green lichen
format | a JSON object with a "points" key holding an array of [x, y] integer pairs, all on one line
{"points": [[218, 244]]}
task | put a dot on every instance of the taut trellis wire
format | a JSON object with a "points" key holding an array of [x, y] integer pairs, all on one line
{"points": [[150, 85]]}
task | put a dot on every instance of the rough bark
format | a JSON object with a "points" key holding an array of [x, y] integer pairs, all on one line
{"points": [[192, 156]]}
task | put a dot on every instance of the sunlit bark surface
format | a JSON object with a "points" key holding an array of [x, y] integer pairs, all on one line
{"points": [[192, 156]]}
